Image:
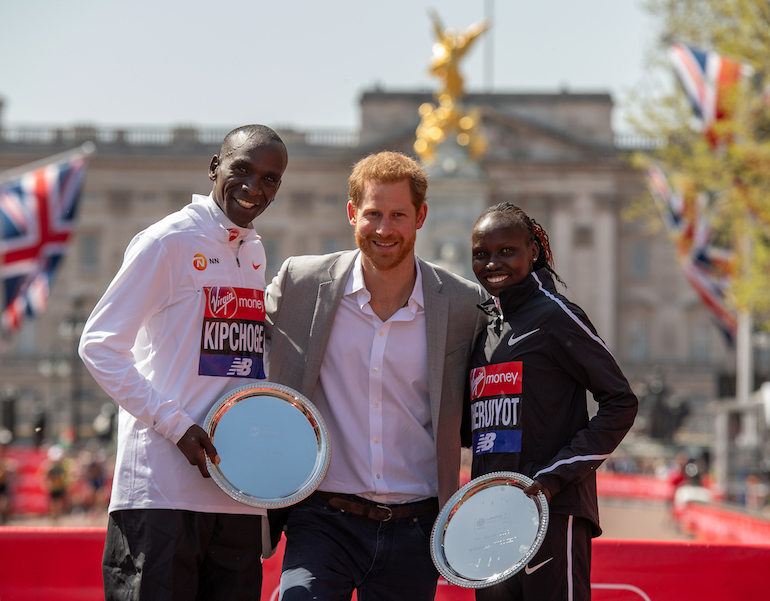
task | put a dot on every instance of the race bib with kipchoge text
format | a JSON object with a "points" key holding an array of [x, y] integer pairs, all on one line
{"points": [[233, 335]]}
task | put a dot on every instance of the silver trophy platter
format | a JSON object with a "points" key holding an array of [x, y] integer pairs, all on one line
{"points": [[272, 443], [488, 530]]}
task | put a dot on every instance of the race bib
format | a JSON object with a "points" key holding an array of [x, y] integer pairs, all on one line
{"points": [[496, 408], [233, 335]]}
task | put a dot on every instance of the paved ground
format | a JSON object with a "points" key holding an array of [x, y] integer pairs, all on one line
{"points": [[619, 519], [79, 520], [638, 520]]}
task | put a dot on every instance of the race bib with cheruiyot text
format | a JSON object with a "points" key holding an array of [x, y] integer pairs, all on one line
{"points": [[496, 408]]}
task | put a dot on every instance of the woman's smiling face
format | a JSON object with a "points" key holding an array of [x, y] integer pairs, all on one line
{"points": [[503, 254]]}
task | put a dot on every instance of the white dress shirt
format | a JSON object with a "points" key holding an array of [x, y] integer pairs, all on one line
{"points": [[373, 393]]}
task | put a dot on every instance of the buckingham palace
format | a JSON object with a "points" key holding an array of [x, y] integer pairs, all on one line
{"points": [[554, 154]]}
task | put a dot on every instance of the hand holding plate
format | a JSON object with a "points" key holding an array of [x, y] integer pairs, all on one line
{"points": [[536, 487], [196, 444]]}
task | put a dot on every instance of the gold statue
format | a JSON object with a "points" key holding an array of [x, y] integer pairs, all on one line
{"points": [[450, 117], [447, 52]]}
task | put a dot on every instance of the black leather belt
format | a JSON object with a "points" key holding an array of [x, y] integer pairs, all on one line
{"points": [[378, 511]]}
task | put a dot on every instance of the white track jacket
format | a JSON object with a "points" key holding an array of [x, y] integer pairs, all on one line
{"points": [[179, 326]]}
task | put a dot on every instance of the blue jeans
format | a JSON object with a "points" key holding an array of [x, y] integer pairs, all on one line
{"points": [[329, 553]]}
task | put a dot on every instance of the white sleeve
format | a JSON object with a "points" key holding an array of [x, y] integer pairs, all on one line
{"points": [[141, 289]]}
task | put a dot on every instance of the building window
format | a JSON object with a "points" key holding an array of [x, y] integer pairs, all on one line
{"points": [[26, 339], [639, 259], [90, 199], [302, 201], [700, 342], [120, 201], [179, 198], [584, 236], [330, 244], [333, 200], [637, 341], [88, 253], [273, 258]]}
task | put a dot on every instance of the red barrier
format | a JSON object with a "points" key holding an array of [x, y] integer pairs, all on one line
{"points": [[51, 563], [711, 523], [65, 564], [28, 494], [634, 486], [678, 571]]}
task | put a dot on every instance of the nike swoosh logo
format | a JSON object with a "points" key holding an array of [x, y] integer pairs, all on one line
{"points": [[513, 340], [256, 266], [528, 570]]}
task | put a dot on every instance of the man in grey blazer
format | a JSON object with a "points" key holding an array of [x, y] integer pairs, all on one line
{"points": [[380, 341]]}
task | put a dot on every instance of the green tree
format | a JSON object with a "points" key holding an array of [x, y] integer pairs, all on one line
{"points": [[734, 170]]}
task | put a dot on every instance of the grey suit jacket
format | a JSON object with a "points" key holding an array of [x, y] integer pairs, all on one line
{"points": [[301, 303]]}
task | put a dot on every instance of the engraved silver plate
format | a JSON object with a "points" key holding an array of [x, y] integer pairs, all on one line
{"points": [[488, 530], [272, 442]]}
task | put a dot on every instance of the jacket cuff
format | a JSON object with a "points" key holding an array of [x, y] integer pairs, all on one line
{"points": [[175, 431], [550, 482]]}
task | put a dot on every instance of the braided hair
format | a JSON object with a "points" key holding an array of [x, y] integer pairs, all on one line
{"points": [[516, 218]]}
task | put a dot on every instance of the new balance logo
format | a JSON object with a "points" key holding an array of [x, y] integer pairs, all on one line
{"points": [[485, 442], [241, 366]]}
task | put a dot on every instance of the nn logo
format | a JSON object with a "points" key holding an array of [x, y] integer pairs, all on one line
{"points": [[199, 262]]}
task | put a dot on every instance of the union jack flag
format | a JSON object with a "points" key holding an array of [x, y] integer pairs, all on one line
{"points": [[37, 216], [707, 266], [706, 78]]}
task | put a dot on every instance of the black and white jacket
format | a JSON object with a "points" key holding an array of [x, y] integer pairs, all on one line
{"points": [[527, 411]]}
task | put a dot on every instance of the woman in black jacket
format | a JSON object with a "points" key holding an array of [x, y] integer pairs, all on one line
{"points": [[528, 411]]}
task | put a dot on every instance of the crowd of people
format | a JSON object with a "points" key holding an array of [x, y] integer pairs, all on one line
{"points": [[55, 482]]}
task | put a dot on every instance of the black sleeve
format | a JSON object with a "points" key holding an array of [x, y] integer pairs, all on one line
{"points": [[582, 354]]}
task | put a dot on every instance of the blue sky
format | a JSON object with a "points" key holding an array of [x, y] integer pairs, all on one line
{"points": [[295, 63]]}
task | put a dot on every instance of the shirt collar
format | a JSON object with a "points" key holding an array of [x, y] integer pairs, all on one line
{"points": [[232, 233], [356, 286]]}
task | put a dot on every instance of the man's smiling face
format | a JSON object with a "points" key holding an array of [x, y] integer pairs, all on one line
{"points": [[247, 176], [386, 223]]}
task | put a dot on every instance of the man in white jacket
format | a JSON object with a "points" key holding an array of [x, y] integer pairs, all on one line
{"points": [[152, 344]]}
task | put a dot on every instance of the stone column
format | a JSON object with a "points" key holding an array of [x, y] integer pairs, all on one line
{"points": [[605, 271], [458, 192]]}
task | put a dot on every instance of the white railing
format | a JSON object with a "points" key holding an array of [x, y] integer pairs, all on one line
{"points": [[160, 136]]}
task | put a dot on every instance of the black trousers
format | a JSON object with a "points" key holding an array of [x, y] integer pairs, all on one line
{"points": [[182, 555], [559, 571]]}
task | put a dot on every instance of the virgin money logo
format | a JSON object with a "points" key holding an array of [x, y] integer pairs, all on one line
{"points": [[496, 379], [199, 262], [223, 302], [478, 378]]}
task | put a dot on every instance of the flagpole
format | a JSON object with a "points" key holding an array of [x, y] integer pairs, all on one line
{"points": [[489, 48], [744, 369], [744, 355], [86, 148]]}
